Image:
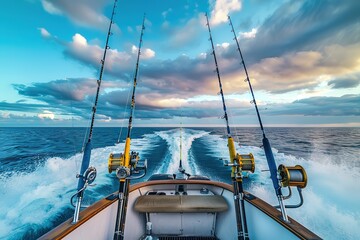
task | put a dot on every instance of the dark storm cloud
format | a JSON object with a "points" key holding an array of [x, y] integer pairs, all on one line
{"points": [[21, 106], [305, 25], [73, 89], [344, 83], [347, 105]]}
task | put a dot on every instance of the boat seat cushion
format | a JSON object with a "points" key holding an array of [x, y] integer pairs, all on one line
{"points": [[180, 203]]}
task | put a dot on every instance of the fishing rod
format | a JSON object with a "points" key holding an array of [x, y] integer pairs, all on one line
{"points": [[127, 163], [88, 174], [284, 176], [181, 169], [180, 164], [238, 162]]}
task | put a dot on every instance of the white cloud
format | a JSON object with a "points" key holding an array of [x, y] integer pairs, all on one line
{"points": [[79, 40], [145, 53], [80, 49], [306, 69], [251, 34], [44, 33], [221, 10], [148, 53], [116, 61], [134, 49], [202, 56], [50, 8], [5, 115], [130, 29], [223, 45], [46, 114]]}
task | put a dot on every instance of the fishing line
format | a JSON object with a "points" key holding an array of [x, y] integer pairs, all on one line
{"points": [[266, 143], [125, 111], [235, 161], [87, 128], [128, 162], [88, 174]]}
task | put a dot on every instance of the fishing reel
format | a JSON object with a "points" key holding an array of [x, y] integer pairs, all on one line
{"points": [[88, 177], [116, 163], [243, 163], [292, 177]]}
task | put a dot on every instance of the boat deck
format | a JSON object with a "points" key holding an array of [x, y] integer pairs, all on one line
{"points": [[186, 238]]}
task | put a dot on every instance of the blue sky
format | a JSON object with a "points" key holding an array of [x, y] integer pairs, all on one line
{"points": [[303, 59]]}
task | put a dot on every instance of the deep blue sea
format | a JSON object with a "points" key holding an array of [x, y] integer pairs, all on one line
{"points": [[38, 168]]}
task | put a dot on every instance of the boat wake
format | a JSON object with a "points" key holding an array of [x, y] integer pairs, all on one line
{"points": [[171, 162], [34, 202], [328, 209]]}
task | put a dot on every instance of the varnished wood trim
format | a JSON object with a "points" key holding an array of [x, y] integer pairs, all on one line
{"points": [[67, 227]]}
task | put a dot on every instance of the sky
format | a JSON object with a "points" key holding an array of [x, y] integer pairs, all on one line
{"points": [[303, 59]]}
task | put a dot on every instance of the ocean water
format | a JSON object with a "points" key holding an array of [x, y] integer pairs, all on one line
{"points": [[38, 168]]}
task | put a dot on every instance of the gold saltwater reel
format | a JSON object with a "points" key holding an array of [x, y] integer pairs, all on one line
{"points": [[116, 162], [292, 177], [246, 162], [243, 163]]}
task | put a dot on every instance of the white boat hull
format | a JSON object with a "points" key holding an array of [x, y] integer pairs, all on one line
{"points": [[263, 221]]}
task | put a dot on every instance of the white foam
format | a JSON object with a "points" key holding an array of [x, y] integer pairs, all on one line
{"points": [[172, 160], [332, 196], [34, 198]]}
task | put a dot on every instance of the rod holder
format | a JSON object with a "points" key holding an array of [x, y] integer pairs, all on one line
{"points": [[292, 177]]}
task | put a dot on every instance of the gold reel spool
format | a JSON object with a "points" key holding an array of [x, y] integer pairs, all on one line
{"points": [[292, 176], [246, 162], [115, 160]]}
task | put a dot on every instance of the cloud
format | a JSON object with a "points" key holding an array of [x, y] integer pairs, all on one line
{"points": [[347, 105], [86, 13], [116, 61], [44, 33], [60, 91], [304, 69], [251, 34], [344, 83], [304, 26], [20, 107], [221, 10], [46, 114], [146, 53], [288, 52]]}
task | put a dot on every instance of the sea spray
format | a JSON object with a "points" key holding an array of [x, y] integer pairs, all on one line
{"points": [[35, 188], [32, 201], [331, 207]]}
